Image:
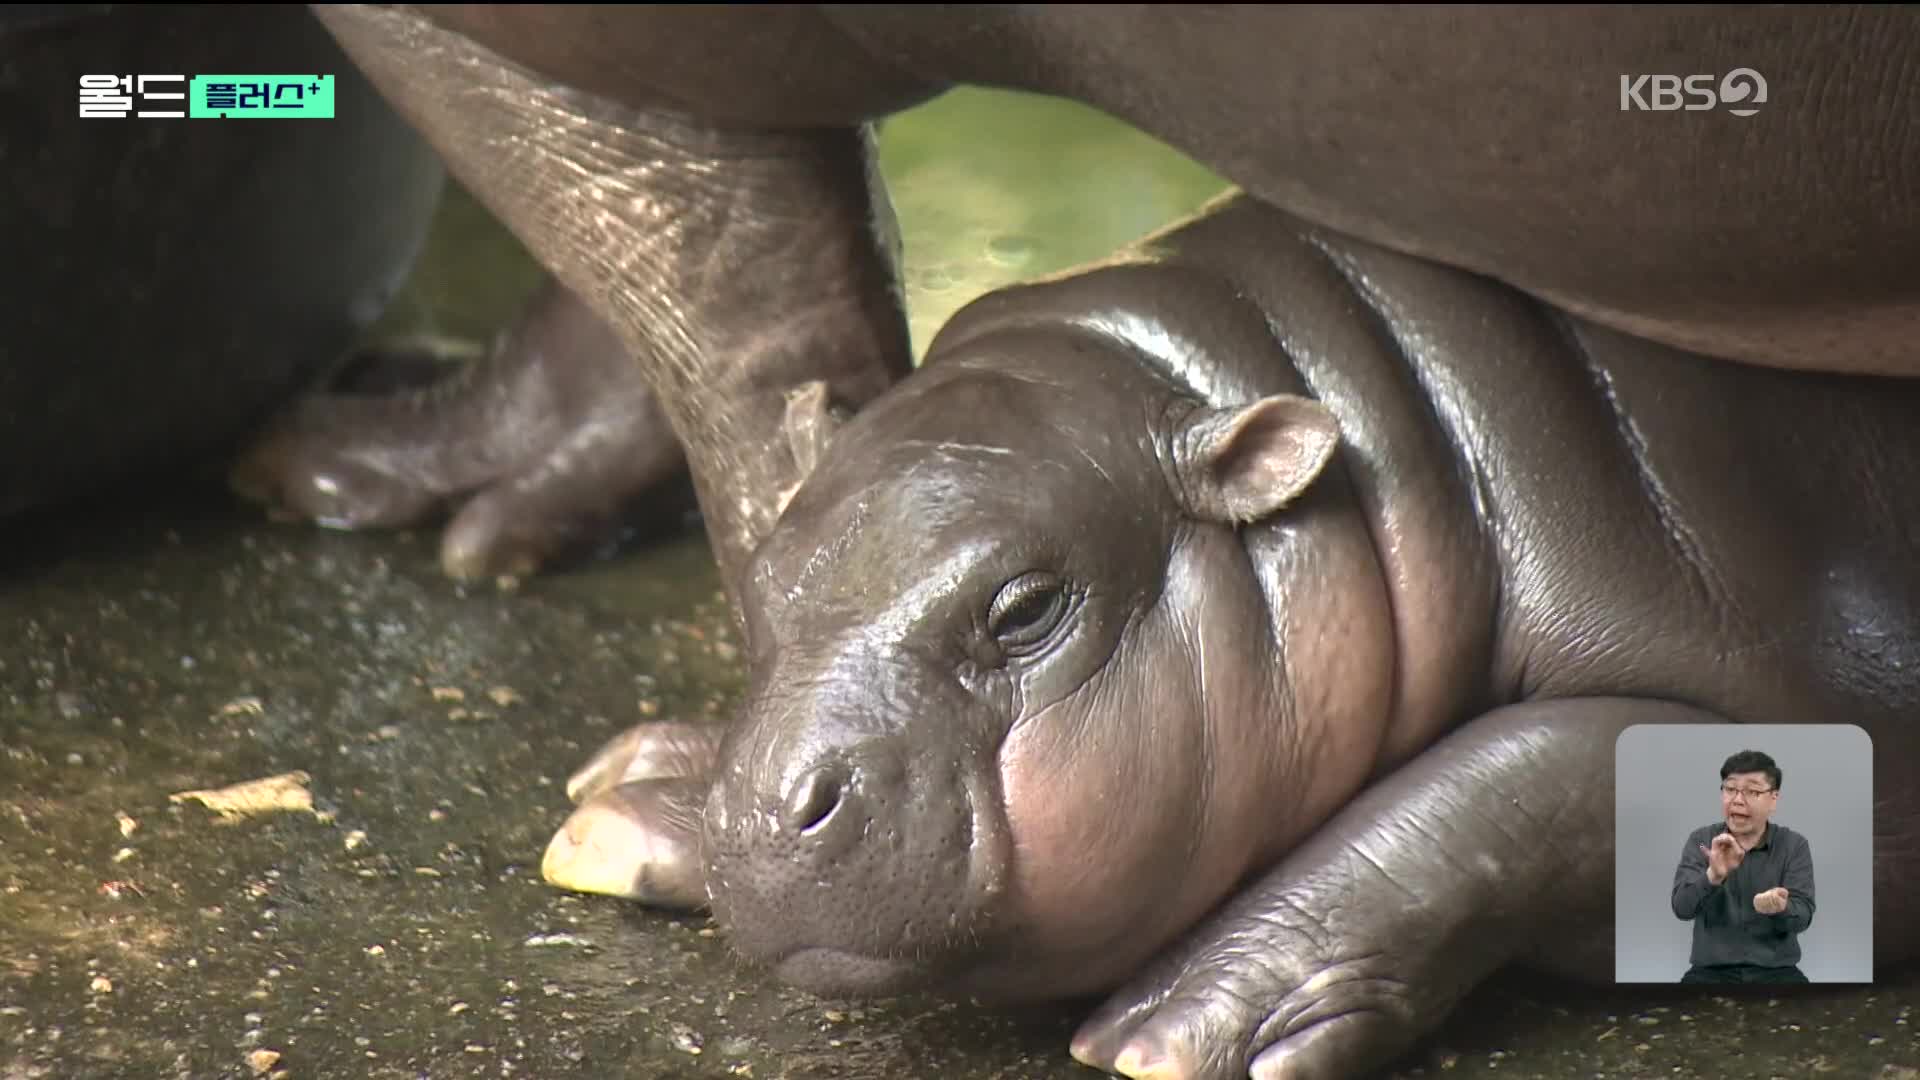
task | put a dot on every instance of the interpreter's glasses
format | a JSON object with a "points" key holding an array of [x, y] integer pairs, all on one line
{"points": [[1731, 792]]}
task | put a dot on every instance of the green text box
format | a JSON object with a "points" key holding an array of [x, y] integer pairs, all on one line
{"points": [[261, 97]]}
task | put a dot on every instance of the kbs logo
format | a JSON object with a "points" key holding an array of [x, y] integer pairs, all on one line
{"points": [[1742, 90]]}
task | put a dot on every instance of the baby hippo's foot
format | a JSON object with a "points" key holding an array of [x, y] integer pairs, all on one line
{"points": [[540, 450], [1274, 994], [636, 831]]}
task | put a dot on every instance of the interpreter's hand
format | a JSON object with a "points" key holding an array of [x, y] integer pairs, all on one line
{"points": [[1723, 857], [1771, 902]]}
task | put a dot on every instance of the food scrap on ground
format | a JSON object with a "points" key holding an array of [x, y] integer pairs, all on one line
{"points": [[286, 791]]}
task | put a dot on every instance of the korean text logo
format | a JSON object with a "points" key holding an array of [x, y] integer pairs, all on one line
{"points": [[207, 97]]}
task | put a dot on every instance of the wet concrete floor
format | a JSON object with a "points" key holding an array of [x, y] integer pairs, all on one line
{"points": [[383, 914]]}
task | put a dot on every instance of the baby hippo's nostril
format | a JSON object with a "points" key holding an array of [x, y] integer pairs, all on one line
{"points": [[814, 797]]}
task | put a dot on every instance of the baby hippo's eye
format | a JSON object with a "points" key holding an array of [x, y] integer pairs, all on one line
{"points": [[1027, 610]]}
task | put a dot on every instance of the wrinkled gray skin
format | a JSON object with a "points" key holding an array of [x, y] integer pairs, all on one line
{"points": [[1287, 789], [540, 462], [1245, 627], [169, 282], [734, 262], [710, 195]]}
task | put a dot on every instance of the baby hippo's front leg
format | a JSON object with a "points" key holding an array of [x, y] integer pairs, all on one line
{"points": [[1363, 940]]}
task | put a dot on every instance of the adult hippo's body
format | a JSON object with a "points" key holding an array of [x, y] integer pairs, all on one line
{"points": [[170, 282], [1247, 625], [699, 178]]}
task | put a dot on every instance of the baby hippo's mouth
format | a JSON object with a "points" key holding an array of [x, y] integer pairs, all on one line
{"points": [[830, 972]]}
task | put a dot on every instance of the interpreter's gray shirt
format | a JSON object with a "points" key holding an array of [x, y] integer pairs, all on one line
{"points": [[1726, 929]]}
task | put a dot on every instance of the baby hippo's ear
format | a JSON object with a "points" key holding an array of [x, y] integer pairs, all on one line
{"points": [[811, 422], [1241, 463]]}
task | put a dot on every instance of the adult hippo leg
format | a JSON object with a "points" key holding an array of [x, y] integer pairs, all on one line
{"points": [[551, 438], [733, 263]]}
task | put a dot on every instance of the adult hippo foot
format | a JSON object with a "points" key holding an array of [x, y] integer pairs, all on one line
{"points": [[1367, 937], [635, 832], [545, 447]]}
